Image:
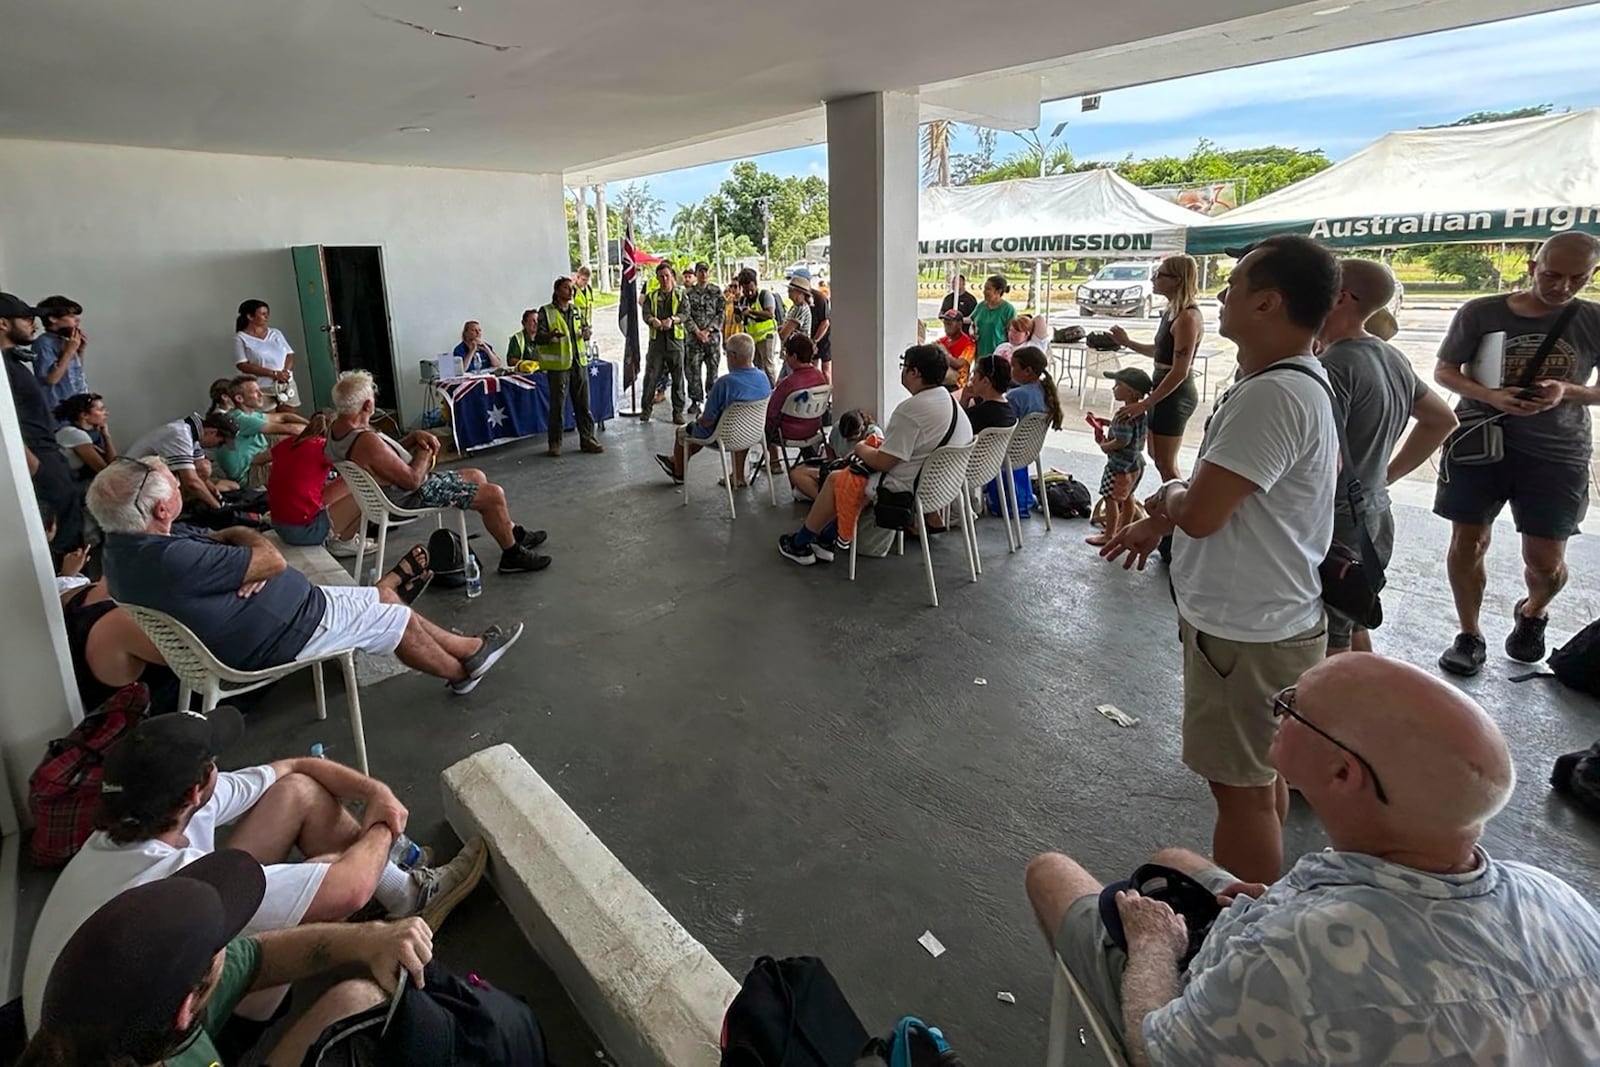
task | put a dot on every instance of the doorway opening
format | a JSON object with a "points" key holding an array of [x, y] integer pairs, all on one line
{"points": [[344, 308]]}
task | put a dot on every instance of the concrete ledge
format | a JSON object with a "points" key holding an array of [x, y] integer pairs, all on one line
{"points": [[319, 565], [653, 995]]}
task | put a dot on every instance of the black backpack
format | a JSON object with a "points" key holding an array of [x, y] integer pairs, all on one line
{"points": [[791, 1013], [1576, 663], [447, 560], [1068, 498]]}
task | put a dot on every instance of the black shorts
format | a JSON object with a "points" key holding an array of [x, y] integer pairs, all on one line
{"points": [[1547, 499], [1169, 417]]}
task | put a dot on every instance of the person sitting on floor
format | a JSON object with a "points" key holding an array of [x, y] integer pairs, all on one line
{"points": [[155, 973], [920, 425], [744, 381], [221, 393], [405, 470], [249, 607], [307, 508], [85, 434], [245, 457], [801, 374], [163, 801], [853, 427], [1403, 942], [180, 445], [1122, 440]]}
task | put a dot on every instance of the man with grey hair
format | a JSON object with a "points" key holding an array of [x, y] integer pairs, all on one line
{"points": [[742, 382], [404, 469], [1538, 411], [1404, 941], [246, 604]]}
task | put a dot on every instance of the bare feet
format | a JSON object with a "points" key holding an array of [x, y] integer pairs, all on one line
{"points": [[1097, 539]]}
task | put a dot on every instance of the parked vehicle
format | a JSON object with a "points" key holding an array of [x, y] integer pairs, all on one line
{"points": [[1122, 289]]}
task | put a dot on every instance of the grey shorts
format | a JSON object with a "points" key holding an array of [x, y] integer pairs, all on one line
{"points": [[1381, 525], [1083, 945]]}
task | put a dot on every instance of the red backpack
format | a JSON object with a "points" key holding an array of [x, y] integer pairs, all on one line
{"points": [[64, 789]]}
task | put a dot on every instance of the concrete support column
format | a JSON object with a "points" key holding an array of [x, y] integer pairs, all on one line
{"points": [[38, 696], [872, 207]]}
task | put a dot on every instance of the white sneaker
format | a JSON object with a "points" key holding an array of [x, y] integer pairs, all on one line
{"points": [[346, 549]]}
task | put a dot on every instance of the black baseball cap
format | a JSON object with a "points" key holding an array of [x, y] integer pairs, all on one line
{"points": [[162, 757], [14, 307], [1134, 378], [1179, 891], [1240, 251], [116, 988]]}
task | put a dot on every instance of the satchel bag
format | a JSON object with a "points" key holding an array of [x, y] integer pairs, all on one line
{"points": [[896, 509], [65, 788], [1480, 440]]}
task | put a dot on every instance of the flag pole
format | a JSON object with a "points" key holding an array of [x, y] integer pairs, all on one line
{"points": [[628, 316]]}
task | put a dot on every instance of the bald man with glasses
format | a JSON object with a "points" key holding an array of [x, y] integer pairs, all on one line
{"points": [[1403, 940]]}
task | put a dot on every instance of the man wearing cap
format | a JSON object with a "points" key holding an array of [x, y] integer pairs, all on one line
{"points": [[703, 350], [59, 349], [959, 347], [563, 333], [53, 483], [153, 975], [1250, 532], [163, 800], [1403, 942], [181, 445], [959, 300]]}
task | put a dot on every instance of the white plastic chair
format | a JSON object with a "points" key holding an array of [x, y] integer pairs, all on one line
{"points": [[943, 482], [810, 403], [1091, 1040], [1026, 450], [380, 511], [988, 457], [741, 427], [200, 671]]}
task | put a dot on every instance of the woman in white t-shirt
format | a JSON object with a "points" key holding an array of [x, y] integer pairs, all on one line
{"points": [[261, 350]]}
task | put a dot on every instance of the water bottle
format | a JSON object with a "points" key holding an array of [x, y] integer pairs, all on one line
{"points": [[474, 576], [318, 752], [406, 853]]}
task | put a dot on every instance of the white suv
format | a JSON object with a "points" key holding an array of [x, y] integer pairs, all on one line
{"points": [[1121, 289]]}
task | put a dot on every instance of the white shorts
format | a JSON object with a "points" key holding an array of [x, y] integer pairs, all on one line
{"points": [[356, 618]]}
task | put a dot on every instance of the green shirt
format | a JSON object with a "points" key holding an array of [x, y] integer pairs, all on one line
{"points": [[234, 457], [239, 970], [989, 324]]}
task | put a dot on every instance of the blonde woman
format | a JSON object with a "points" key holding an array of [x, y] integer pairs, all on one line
{"points": [[1177, 339]]}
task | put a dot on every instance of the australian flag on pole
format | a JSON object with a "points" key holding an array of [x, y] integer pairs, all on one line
{"points": [[628, 308]]}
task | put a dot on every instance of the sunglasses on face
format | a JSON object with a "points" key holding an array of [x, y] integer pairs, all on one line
{"points": [[1283, 707]]}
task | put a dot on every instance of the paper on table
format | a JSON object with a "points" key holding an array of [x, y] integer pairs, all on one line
{"points": [[1488, 366], [934, 946]]}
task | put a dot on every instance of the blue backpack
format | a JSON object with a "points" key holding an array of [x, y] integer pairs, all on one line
{"points": [[915, 1044]]}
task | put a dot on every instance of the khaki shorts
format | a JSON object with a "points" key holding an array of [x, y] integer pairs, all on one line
{"points": [[1228, 687]]}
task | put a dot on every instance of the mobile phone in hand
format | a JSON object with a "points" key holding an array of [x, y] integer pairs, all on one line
{"points": [[1530, 393]]}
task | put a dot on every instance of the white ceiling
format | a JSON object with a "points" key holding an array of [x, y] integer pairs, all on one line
{"points": [[609, 89]]}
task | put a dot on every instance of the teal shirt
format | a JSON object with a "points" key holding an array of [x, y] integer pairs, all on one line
{"points": [[235, 457], [239, 970], [989, 325]]}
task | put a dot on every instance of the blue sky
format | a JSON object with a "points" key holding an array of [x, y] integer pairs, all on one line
{"points": [[1338, 101]]}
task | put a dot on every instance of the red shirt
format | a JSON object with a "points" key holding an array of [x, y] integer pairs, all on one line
{"points": [[294, 485], [806, 377], [960, 346]]}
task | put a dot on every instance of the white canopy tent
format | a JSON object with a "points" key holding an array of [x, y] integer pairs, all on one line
{"points": [[1522, 180], [1090, 213]]}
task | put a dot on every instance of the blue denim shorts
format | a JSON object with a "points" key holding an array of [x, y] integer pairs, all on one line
{"points": [[314, 534]]}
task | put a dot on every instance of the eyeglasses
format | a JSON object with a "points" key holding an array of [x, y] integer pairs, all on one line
{"points": [[1283, 707], [137, 493]]}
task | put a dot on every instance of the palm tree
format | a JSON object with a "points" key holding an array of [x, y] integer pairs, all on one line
{"points": [[936, 151]]}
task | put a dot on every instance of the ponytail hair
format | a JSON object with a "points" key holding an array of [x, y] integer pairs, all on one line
{"points": [[1033, 358], [246, 311]]}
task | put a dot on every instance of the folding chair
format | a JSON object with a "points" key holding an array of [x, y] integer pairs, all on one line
{"points": [[1091, 1040], [810, 403]]}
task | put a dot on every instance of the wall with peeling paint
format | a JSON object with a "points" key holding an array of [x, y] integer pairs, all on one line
{"points": [[161, 246]]}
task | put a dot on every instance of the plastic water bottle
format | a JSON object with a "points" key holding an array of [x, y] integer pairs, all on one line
{"points": [[318, 752], [474, 576], [406, 853]]}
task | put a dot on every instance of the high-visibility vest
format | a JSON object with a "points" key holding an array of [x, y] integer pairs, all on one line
{"points": [[583, 300], [653, 309], [519, 349], [761, 329], [567, 346]]}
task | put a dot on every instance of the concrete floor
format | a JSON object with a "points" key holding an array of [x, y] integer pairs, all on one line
{"points": [[794, 764]]}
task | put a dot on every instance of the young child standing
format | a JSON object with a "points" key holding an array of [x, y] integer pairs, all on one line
{"points": [[1122, 440]]}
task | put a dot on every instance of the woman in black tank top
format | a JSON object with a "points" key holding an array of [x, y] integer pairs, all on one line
{"points": [[1177, 339], [100, 634]]}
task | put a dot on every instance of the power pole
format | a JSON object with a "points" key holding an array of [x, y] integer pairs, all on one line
{"points": [[765, 204], [583, 225], [716, 245], [604, 264]]}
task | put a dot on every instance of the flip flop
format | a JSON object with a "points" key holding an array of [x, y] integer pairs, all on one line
{"points": [[413, 572]]}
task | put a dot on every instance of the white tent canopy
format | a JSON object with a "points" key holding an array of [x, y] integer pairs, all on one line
{"points": [[1525, 179], [1090, 213]]}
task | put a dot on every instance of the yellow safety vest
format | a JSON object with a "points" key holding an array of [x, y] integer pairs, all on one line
{"points": [[583, 300], [653, 309], [567, 346], [761, 329]]}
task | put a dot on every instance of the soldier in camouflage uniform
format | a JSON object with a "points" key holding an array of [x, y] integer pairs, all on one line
{"points": [[703, 347]]}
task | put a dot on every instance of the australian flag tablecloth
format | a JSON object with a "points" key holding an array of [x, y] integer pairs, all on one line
{"points": [[489, 410]]}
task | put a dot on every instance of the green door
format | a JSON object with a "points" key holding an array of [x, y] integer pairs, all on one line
{"points": [[321, 357]]}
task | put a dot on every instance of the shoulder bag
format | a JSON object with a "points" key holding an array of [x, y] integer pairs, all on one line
{"points": [[896, 509], [1480, 439]]}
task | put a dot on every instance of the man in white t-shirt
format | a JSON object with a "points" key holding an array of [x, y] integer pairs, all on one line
{"points": [[163, 800], [929, 418], [181, 445], [1249, 531]]}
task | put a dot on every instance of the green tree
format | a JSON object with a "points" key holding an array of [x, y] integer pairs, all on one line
{"points": [[1025, 164], [965, 166], [1478, 118], [1468, 262], [793, 210], [1259, 170], [635, 197]]}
